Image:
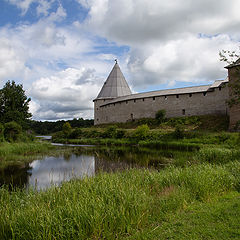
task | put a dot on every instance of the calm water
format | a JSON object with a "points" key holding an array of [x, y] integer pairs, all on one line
{"points": [[78, 162]]}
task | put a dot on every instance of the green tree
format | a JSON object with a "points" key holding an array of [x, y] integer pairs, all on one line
{"points": [[66, 128], [12, 131], [14, 104]]}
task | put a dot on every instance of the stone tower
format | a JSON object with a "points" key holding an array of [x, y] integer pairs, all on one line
{"points": [[115, 86], [234, 80]]}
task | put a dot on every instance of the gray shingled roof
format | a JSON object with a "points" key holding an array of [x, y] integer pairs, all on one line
{"points": [[115, 85], [186, 90]]}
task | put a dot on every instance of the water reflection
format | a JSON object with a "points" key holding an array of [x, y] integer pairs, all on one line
{"points": [[83, 161], [54, 170]]}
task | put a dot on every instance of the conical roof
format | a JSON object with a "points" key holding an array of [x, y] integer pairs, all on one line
{"points": [[115, 85]]}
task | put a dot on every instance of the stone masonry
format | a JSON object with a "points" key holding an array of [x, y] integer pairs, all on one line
{"points": [[122, 106]]}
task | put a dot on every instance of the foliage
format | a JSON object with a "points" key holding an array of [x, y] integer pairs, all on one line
{"points": [[121, 133], [110, 132], [76, 133], [66, 128], [218, 155], [179, 132], [46, 127], [141, 132], [160, 115], [12, 131], [14, 104], [1, 132]]}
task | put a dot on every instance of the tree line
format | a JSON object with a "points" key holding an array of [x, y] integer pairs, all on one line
{"points": [[15, 116]]}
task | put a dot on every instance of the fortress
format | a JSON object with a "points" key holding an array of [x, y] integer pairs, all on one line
{"points": [[116, 103]]}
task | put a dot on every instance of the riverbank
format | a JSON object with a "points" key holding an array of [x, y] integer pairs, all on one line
{"points": [[21, 152], [195, 202]]}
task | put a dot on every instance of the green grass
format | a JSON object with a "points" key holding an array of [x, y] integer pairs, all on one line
{"points": [[134, 204], [98, 141], [21, 152], [215, 220]]}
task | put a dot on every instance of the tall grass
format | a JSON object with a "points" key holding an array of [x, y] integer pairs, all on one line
{"points": [[170, 145], [14, 151], [217, 155], [109, 206]]}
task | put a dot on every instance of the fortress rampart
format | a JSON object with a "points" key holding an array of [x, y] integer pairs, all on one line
{"points": [[115, 103]]}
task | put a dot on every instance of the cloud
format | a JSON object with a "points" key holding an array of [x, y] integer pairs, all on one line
{"points": [[136, 22], [67, 94], [11, 60], [22, 4], [43, 6], [170, 41], [40, 49], [192, 59]]}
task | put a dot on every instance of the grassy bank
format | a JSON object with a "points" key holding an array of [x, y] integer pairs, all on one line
{"points": [[189, 133], [135, 204], [21, 152]]}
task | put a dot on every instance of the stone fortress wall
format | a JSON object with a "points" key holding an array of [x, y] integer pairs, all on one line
{"points": [[110, 107], [176, 105]]}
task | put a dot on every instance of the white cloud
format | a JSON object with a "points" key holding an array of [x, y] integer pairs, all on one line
{"points": [[169, 41], [139, 21], [43, 6], [22, 4], [11, 60], [192, 59], [66, 94]]}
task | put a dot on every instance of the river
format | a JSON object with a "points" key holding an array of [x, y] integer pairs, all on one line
{"points": [[73, 161]]}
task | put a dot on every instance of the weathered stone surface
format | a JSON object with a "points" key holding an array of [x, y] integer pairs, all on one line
{"points": [[234, 111], [200, 100]]}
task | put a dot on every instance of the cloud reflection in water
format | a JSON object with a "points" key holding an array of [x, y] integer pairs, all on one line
{"points": [[54, 170]]}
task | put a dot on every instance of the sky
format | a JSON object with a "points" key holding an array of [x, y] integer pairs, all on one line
{"points": [[63, 50]]}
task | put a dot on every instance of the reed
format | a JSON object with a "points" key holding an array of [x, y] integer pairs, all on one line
{"points": [[170, 145], [110, 206], [10, 152]]}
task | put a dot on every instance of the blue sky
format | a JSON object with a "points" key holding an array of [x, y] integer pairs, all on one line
{"points": [[63, 50]]}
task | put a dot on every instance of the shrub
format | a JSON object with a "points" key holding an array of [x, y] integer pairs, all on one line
{"points": [[66, 128], [76, 133], [110, 132], [1, 133], [141, 132], [160, 115], [121, 133], [12, 131], [57, 136], [93, 133], [179, 132]]}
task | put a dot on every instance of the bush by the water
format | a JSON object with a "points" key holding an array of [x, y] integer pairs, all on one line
{"points": [[141, 132], [160, 115]]}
